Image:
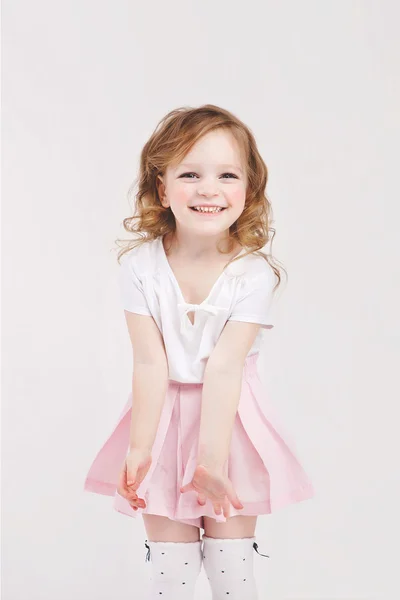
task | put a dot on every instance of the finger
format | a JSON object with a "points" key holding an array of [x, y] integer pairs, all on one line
{"points": [[131, 471], [124, 490], [131, 476], [189, 487], [137, 483], [122, 487], [217, 508], [130, 496], [226, 509], [133, 487], [201, 499], [139, 503]]}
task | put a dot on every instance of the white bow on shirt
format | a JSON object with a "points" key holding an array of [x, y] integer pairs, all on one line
{"points": [[186, 307]]}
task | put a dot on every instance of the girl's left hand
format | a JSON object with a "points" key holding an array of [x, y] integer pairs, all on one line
{"points": [[135, 468], [215, 485]]}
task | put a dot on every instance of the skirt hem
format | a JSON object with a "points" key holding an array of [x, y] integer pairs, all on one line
{"points": [[250, 508]]}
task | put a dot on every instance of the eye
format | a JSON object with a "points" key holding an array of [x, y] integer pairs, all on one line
{"points": [[192, 173], [187, 175]]}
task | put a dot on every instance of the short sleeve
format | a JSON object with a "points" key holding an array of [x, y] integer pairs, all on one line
{"points": [[254, 302], [131, 290]]}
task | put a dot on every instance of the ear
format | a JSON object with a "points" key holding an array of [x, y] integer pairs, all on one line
{"points": [[161, 191]]}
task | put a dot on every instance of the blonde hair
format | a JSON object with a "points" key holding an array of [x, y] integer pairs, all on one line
{"points": [[172, 139]]}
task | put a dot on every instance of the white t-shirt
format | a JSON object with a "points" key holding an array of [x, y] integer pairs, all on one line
{"points": [[148, 286]]}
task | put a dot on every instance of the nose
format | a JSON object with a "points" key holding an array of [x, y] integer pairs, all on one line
{"points": [[208, 189]]}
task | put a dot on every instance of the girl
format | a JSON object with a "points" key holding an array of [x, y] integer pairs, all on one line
{"points": [[198, 444]]}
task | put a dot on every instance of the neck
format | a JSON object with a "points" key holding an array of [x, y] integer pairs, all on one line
{"points": [[196, 247]]}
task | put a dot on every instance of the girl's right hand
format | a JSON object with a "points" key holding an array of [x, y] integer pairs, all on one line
{"points": [[135, 468], [213, 484]]}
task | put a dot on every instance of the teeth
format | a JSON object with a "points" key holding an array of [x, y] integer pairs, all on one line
{"points": [[208, 209]]}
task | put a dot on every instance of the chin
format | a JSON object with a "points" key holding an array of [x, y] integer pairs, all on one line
{"points": [[205, 232]]}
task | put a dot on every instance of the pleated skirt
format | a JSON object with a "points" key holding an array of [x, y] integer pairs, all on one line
{"points": [[262, 465]]}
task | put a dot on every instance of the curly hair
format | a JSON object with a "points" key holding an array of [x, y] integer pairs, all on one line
{"points": [[171, 140]]}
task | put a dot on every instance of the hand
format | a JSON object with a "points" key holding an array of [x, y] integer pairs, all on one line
{"points": [[213, 484], [134, 470]]}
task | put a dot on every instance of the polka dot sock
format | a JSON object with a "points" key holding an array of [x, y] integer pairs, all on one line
{"points": [[175, 567], [228, 564]]}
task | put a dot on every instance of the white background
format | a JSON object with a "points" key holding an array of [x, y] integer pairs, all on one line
{"points": [[84, 84]]}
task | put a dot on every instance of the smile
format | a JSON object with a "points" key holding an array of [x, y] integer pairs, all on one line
{"points": [[208, 209]]}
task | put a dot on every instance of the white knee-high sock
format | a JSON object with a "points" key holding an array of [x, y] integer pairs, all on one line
{"points": [[175, 567], [228, 564]]}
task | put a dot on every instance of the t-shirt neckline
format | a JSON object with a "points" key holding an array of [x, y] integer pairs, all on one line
{"points": [[175, 281]]}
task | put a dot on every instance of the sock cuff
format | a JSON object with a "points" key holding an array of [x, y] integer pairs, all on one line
{"points": [[172, 544], [211, 540]]}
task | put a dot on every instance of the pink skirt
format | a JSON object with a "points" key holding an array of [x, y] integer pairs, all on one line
{"points": [[262, 463]]}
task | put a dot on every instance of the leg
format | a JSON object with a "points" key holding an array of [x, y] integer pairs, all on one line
{"points": [[235, 527], [162, 529], [228, 557], [175, 557]]}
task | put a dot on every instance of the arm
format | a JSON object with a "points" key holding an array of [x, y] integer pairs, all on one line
{"points": [[149, 380], [221, 392]]}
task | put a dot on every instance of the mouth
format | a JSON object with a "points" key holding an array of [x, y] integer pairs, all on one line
{"points": [[208, 210]]}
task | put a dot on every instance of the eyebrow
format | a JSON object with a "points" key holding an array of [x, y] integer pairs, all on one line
{"points": [[224, 166]]}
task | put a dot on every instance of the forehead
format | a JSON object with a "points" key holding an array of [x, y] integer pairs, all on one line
{"points": [[216, 148], [195, 165]]}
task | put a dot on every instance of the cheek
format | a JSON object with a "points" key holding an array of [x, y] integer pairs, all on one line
{"points": [[181, 196], [237, 197]]}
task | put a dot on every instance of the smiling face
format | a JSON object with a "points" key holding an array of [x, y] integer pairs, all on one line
{"points": [[206, 191]]}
